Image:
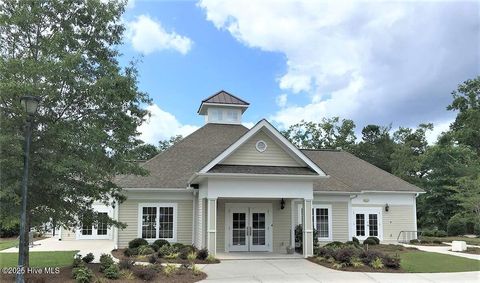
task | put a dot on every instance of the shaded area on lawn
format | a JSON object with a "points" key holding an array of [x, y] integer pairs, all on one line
{"points": [[40, 259], [8, 243], [417, 261]]}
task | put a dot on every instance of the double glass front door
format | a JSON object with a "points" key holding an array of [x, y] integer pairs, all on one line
{"points": [[367, 223], [249, 229]]}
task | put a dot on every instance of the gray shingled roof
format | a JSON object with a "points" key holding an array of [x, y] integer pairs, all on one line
{"points": [[255, 169], [350, 173], [173, 168]]}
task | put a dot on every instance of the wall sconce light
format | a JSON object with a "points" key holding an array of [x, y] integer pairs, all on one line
{"points": [[387, 208], [282, 204]]}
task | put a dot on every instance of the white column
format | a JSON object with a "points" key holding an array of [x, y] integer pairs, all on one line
{"points": [[200, 224], [307, 228], [212, 225]]}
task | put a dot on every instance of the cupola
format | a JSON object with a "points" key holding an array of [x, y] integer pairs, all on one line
{"points": [[223, 108]]}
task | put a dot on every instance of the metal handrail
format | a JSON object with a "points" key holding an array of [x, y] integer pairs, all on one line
{"points": [[405, 238]]}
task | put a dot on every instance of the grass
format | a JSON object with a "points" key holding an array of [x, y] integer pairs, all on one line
{"points": [[471, 250], [8, 243], [469, 241], [40, 259], [417, 261]]}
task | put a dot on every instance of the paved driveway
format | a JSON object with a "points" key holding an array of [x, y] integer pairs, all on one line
{"points": [[301, 270]]}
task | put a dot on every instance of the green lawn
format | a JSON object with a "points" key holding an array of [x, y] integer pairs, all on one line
{"points": [[417, 261], [40, 259], [5, 244]]}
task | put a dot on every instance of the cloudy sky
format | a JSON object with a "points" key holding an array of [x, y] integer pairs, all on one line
{"points": [[372, 62]]}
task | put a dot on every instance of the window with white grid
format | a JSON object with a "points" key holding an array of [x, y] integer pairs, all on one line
{"points": [[322, 221], [158, 221]]}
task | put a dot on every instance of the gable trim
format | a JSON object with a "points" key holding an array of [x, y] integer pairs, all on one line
{"points": [[263, 124]]}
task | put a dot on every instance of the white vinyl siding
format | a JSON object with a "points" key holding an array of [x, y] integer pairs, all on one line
{"points": [[247, 154]]}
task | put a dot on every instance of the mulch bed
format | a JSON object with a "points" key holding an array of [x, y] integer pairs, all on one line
{"points": [[65, 275], [365, 268], [120, 255]]}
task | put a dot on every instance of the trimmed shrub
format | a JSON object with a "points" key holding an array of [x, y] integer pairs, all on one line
{"points": [[160, 243], [183, 253], [165, 250], [414, 241], [325, 252], [146, 274], [369, 241], [130, 252], [344, 255], [135, 243], [355, 240], [126, 263], [335, 245], [391, 262], [456, 225], [428, 233], [202, 254], [437, 241], [377, 240], [82, 274], [112, 272], [177, 246], [145, 250], [88, 258], [77, 261], [106, 261], [154, 247], [440, 233]]}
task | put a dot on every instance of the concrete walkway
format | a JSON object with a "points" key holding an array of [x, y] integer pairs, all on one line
{"points": [[97, 247], [301, 270], [444, 250]]}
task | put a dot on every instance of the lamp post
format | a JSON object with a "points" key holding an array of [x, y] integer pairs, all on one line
{"points": [[29, 104]]}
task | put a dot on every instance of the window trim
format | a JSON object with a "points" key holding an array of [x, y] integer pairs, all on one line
{"points": [[314, 216], [157, 206]]}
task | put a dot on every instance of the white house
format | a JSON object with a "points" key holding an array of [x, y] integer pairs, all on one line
{"points": [[229, 188]]}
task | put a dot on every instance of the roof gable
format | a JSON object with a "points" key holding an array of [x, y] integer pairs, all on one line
{"points": [[296, 157], [223, 97]]}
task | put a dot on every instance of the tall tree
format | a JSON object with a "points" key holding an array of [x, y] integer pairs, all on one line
{"points": [[376, 146], [466, 127], [166, 144], [329, 133], [64, 52]]}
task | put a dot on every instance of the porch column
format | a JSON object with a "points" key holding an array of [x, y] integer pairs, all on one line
{"points": [[212, 225], [308, 228]]}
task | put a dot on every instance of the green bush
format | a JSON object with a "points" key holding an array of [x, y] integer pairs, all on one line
{"points": [[440, 233], [344, 255], [377, 263], [88, 258], [160, 243], [130, 252], [335, 245], [391, 262], [135, 243], [476, 228], [146, 274], [145, 250], [177, 246], [355, 240], [456, 225], [126, 263], [202, 254], [112, 272], [165, 250], [377, 240], [428, 233], [369, 241], [82, 274], [77, 261], [414, 241], [106, 261], [153, 259]]}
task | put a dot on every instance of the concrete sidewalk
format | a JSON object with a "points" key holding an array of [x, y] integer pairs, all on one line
{"points": [[301, 270], [97, 247]]}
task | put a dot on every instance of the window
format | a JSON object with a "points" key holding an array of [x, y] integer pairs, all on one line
{"points": [[102, 225], [360, 224], [321, 219], [215, 115], [373, 224], [158, 221], [261, 146], [232, 115], [87, 228]]}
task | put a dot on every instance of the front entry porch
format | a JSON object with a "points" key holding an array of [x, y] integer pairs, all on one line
{"points": [[247, 228]]}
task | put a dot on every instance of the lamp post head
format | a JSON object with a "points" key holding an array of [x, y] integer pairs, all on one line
{"points": [[30, 104]]}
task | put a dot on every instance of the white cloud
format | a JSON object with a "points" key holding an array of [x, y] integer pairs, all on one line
{"points": [[162, 125], [147, 36], [438, 128], [248, 124], [281, 100], [373, 62]]}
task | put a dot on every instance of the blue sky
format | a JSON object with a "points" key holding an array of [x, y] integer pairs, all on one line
{"points": [[371, 62]]}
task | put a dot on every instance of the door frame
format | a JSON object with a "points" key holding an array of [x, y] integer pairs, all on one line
{"points": [[268, 222], [94, 236], [366, 211]]}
